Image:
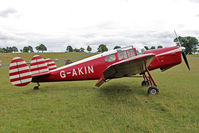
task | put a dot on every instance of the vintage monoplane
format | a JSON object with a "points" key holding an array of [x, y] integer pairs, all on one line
{"points": [[122, 62]]}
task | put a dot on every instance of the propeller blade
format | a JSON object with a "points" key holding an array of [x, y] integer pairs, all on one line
{"points": [[185, 60]]}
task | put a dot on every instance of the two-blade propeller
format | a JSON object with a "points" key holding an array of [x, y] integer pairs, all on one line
{"points": [[185, 59], [182, 52]]}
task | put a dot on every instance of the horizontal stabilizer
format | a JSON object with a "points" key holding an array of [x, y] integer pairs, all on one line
{"points": [[51, 64]]}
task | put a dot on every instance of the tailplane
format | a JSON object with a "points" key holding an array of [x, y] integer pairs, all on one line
{"points": [[21, 74], [51, 64]]}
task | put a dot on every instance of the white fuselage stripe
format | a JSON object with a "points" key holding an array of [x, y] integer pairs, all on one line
{"points": [[169, 52]]}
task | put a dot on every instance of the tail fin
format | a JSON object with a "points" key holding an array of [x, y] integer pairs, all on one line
{"points": [[19, 72], [51, 64], [38, 65], [21, 75]]}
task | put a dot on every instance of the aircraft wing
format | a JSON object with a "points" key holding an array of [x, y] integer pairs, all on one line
{"points": [[129, 66]]}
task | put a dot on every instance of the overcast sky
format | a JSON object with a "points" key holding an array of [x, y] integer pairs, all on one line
{"points": [[58, 23]]}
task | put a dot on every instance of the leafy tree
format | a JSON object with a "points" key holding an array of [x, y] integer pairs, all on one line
{"points": [[5, 50], [89, 49], [152, 47], [81, 49], [9, 50], [15, 49], [102, 48], [76, 50], [160, 46], [25, 49], [30, 49], [41, 48], [1, 50], [116, 47], [69, 49], [195, 49], [37, 48], [146, 47], [188, 42]]}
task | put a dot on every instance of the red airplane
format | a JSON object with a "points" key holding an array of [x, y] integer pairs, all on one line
{"points": [[122, 62]]}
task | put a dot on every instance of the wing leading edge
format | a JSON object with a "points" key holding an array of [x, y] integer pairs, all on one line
{"points": [[129, 66]]}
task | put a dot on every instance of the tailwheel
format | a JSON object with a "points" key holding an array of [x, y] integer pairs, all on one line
{"points": [[37, 87], [145, 83], [153, 90]]}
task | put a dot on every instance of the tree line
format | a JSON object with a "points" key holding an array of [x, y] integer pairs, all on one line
{"points": [[101, 48], [26, 49], [190, 43]]}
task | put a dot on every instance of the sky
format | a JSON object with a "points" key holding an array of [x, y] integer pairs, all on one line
{"points": [[79, 23]]}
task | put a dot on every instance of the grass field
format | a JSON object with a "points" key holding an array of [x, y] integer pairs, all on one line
{"points": [[121, 105]]}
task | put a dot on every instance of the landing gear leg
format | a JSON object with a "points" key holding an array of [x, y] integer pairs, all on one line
{"points": [[153, 89], [37, 87], [145, 82]]}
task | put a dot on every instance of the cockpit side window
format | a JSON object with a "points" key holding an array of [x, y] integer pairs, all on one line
{"points": [[110, 58], [131, 53], [122, 55]]}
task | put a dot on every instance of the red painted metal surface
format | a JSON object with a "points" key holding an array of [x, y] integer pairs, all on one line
{"points": [[165, 58]]}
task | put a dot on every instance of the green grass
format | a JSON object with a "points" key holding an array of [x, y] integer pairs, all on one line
{"points": [[121, 105]]}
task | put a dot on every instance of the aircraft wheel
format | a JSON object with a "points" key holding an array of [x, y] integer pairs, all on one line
{"points": [[36, 88], [153, 90], [145, 83]]}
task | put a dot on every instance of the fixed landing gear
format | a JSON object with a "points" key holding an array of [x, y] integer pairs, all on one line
{"points": [[153, 90], [149, 80], [37, 87], [145, 83]]}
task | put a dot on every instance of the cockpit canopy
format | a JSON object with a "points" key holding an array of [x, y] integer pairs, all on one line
{"points": [[122, 53]]}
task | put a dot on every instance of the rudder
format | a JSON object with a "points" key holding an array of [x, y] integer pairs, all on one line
{"points": [[19, 72], [38, 65]]}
